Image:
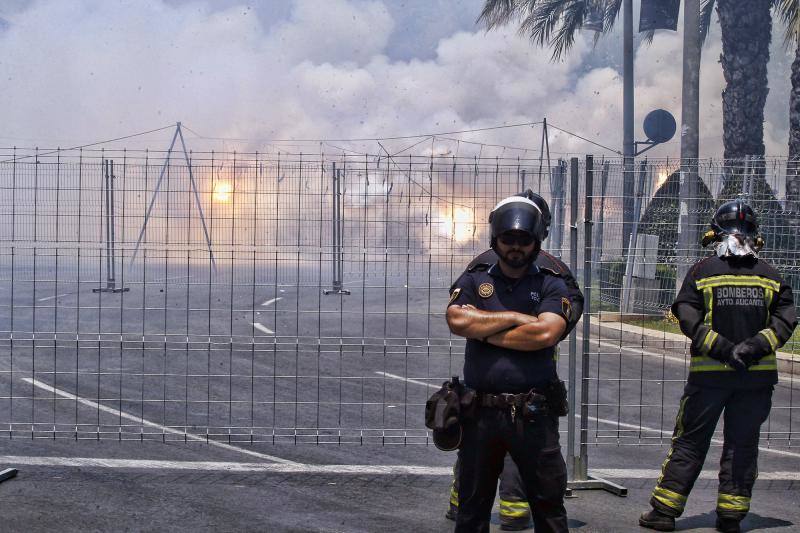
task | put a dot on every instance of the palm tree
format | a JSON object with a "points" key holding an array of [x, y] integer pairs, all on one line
{"points": [[554, 23], [744, 65], [789, 12]]}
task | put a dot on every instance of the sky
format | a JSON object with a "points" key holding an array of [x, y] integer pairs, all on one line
{"points": [[281, 75]]}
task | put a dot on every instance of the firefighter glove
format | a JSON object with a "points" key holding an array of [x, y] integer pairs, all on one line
{"points": [[755, 347], [739, 361]]}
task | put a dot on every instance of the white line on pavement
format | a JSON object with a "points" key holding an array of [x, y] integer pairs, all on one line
{"points": [[270, 302], [679, 360], [263, 329], [54, 297], [603, 420], [640, 473], [226, 466], [126, 416], [297, 468], [168, 278]]}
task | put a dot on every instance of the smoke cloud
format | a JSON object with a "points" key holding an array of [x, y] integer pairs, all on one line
{"points": [[86, 70]]}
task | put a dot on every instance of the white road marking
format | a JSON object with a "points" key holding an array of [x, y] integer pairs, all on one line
{"points": [[667, 433], [263, 329], [169, 278], [679, 360], [54, 297], [142, 421], [227, 466], [270, 302], [395, 376], [637, 473], [298, 468]]}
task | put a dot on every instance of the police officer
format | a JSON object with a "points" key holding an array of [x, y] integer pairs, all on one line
{"points": [[515, 511], [737, 311], [513, 315]]}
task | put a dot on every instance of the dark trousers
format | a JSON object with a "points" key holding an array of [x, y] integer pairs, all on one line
{"points": [[699, 411], [534, 447], [513, 499]]}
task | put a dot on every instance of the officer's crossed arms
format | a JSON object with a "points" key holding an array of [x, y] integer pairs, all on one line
{"points": [[506, 329]]}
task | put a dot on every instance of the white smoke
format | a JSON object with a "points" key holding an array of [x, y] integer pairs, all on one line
{"points": [[86, 70]]}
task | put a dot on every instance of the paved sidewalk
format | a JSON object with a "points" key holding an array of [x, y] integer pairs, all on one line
{"points": [[92, 497]]}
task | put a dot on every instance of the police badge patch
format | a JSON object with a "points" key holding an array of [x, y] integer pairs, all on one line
{"points": [[485, 290], [566, 308], [454, 295]]}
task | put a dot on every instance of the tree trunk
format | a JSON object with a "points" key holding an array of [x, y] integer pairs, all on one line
{"points": [[746, 34], [793, 168]]}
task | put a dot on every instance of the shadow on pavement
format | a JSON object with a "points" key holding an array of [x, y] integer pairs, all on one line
{"points": [[752, 521]]}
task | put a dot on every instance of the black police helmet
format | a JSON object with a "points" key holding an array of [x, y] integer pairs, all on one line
{"points": [[541, 203], [735, 218], [517, 213]]}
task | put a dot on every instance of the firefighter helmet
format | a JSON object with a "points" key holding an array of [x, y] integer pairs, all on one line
{"points": [[735, 218]]}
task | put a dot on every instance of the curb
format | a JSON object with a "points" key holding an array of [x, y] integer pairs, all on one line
{"points": [[639, 336]]}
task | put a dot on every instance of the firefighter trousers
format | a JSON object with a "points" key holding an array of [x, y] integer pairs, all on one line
{"points": [[534, 447], [700, 409]]}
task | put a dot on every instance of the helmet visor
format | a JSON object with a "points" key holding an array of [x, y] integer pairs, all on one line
{"points": [[517, 216], [738, 222]]}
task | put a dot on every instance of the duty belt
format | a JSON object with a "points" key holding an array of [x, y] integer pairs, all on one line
{"points": [[506, 400]]}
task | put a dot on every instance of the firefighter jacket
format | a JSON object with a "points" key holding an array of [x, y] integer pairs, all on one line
{"points": [[725, 301]]}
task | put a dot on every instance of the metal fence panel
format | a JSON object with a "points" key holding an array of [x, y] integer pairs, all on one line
{"points": [[254, 297]]}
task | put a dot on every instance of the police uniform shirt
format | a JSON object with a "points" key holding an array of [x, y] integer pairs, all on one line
{"points": [[493, 369], [550, 265], [725, 301]]}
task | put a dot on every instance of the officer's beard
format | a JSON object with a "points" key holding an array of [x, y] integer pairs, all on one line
{"points": [[516, 258]]}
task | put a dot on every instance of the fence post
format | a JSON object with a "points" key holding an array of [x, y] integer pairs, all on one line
{"points": [[110, 223], [573, 336], [580, 469], [626, 306], [597, 252], [557, 200], [336, 252]]}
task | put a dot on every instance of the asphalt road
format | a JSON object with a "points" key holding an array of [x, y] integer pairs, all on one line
{"points": [[228, 402]]}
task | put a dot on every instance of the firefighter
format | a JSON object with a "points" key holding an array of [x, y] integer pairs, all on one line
{"points": [[737, 311], [513, 315], [515, 514]]}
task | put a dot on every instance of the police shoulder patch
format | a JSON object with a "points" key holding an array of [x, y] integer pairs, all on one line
{"points": [[566, 308], [485, 290], [550, 271], [454, 295], [479, 267]]}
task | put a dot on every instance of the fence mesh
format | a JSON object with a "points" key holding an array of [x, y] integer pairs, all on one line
{"points": [[300, 297]]}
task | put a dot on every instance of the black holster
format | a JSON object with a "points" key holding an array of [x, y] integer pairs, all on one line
{"points": [[557, 398], [535, 405], [449, 405]]}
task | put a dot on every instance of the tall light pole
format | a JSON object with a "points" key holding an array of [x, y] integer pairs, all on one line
{"points": [[690, 140], [628, 146]]}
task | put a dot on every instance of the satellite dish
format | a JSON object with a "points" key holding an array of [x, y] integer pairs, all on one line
{"points": [[659, 126]]}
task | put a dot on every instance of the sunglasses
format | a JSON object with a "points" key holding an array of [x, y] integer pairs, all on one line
{"points": [[521, 240]]}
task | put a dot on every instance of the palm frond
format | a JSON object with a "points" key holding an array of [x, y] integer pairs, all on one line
{"points": [[706, 10], [499, 12], [551, 23], [789, 13], [612, 8], [540, 24], [573, 16]]}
